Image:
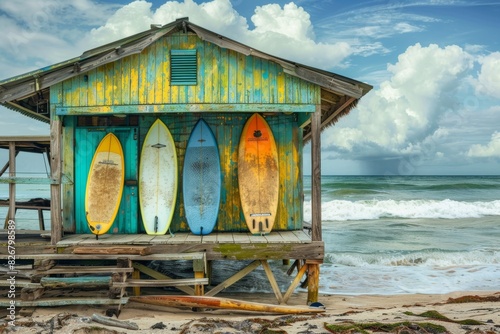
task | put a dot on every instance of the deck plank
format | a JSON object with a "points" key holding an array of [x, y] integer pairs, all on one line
{"points": [[289, 237], [241, 238], [192, 238], [210, 238], [161, 239], [258, 239], [225, 238], [275, 237], [302, 236], [144, 239]]}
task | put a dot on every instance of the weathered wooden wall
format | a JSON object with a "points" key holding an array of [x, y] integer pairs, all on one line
{"points": [[224, 77], [227, 130], [231, 86]]}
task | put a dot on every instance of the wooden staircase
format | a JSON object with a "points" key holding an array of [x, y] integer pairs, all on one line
{"points": [[96, 278]]}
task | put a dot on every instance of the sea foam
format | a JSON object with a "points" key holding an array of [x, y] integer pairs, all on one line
{"points": [[340, 210]]}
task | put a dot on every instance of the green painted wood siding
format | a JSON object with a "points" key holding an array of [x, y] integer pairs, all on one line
{"points": [[224, 77], [86, 142], [227, 129]]}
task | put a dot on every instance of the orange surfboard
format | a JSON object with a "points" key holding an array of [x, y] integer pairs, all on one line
{"points": [[258, 175]]}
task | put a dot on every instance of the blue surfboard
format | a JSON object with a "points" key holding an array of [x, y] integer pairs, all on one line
{"points": [[201, 180]]}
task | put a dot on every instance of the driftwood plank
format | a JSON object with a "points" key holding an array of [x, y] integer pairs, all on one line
{"points": [[139, 250], [76, 282], [223, 303], [114, 323], [50, 302], [84, 270]]}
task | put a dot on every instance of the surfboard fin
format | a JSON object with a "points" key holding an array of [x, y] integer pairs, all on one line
{"points": [[156, 224]]}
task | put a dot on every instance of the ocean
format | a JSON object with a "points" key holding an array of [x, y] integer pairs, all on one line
{"points": [[409, 234], [385, 235]]}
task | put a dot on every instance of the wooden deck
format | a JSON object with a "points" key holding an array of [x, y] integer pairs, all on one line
{"points": [[294, 237], [127, 255], [217, 246]]}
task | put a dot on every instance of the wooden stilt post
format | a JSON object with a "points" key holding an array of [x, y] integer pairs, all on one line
{"points": [[313, 268], [12, 185], [136, 274], [313, 281], [199, 268], [55, 187]]}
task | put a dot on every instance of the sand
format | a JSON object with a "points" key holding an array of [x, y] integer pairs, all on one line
{"points": [[339, 310]]}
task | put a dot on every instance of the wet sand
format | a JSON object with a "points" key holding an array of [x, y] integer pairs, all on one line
{"points": [[481, 307]]}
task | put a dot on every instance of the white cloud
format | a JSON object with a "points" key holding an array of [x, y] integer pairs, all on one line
{"points": [[40, 33], [491, 149], [285, 31], [488, 79], [406, 110]]}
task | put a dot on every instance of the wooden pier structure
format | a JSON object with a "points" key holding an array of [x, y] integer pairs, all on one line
{"points": [[123, 87]]}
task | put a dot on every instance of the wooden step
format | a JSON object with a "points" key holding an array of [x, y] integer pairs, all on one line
{"points": [[160, 282]]}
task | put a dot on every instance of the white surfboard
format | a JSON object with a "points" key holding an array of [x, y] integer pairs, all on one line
{"points": [[158, 179]]}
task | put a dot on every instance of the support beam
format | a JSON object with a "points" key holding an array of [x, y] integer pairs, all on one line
{"points": [[55, 188], [316, 175], [12, 186], [313, 269], [313, 281]]}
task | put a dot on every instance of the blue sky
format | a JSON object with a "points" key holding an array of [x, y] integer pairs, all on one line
{"points": [[434, 65]]}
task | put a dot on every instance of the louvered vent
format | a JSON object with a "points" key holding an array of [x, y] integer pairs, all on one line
{"points": [[183, 67]]}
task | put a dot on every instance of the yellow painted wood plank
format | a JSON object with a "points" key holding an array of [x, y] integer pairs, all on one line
{"points": [[134, 79], [151, 73], [281, 84], [174, 90], [117, 82], [125, 80], [142, 73], [158, 78], [232, 69], [91, 88], [240, 79], [189, 43], [208, 72], [108, 83], [265, 98], [75, 94], [66, 92], [165, 69], [257, 80], [99, 86], [216, 79], [249, 80]]}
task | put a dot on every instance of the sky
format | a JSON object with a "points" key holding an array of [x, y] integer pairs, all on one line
{"points": [[434, 66]]}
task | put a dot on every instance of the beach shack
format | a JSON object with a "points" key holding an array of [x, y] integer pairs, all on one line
{"points": [[178, 73]]}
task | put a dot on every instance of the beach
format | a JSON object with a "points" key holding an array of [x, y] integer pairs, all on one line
{"points": [[467, 312]]}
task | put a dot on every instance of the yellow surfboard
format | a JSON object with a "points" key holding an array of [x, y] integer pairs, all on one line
{"points": [[104, 185], [258, 175]]}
